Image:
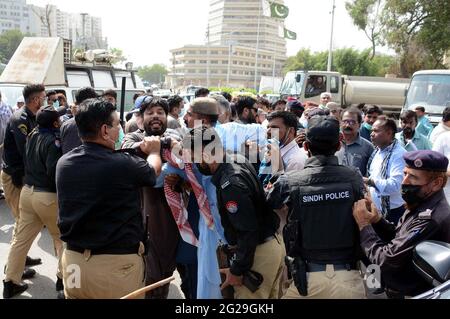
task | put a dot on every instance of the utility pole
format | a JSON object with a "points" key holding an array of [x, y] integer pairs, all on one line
{"points": [[83, 22], [330, 52], [257, 44], [207, 59]]}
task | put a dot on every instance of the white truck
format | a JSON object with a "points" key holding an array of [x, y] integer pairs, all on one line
{"points": [[431, 90], [49, 61], [388, 93]]}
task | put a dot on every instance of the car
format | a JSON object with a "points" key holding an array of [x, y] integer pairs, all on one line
{"points": [[432, 260]]}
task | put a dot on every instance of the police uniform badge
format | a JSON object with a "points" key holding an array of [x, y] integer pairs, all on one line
{"points": [[232, 207], [23, 128], [58, 143]]}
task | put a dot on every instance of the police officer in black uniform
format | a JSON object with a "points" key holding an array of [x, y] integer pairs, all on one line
{"points": [[38, 201], [321, 236], [21, 124], [250, 227], [427, 218]]}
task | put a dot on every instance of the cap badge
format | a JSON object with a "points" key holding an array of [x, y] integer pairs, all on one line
{"points": [[418, 163]]}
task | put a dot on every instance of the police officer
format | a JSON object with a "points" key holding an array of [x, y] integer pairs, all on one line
{"points": [[38, 202], [250, 228], [99, 207], [427, 218], [21, 124], [321, 236]]}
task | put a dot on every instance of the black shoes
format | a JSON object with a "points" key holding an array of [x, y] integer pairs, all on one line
{"points": [[33, 261], [28, 273], [11, 289]]}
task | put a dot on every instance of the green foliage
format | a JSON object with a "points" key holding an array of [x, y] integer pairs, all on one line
{"points": [[118, 55], [347, 61], [9, 42], [418, 30], [154, 74]]}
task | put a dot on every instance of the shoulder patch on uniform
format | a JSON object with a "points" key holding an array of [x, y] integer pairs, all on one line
{"points": [[232, 207], [23, 128], [426, 214], [226, 184]]}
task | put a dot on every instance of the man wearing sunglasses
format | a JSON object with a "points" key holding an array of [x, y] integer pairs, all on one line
{"points": [[357, 149]]}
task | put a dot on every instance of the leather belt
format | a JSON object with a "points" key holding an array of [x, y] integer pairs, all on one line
{"points": [[39, 189], [313, 267], [107, 251]]}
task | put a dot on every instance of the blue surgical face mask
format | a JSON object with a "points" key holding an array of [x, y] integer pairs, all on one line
{"points": [[56, 104], [119, 141], [368, 126]]}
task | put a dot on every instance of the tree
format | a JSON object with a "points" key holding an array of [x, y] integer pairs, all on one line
{"points": [[9, 42], [44, 15], [118, 55], [366, 16], [346, 61], [154, 74]]}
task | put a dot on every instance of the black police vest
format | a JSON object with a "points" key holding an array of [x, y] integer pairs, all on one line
{"points": [[321, 218]]}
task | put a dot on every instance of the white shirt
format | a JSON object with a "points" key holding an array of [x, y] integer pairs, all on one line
{"points": [[442, 145], [438, 130], [293, 158]]}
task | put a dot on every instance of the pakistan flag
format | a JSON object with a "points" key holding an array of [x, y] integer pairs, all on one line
{"points": [[278, 10]]}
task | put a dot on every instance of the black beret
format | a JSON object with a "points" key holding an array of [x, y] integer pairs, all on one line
{"points": [[295, 105], [323, 130], [427, 161], [45, 117]]}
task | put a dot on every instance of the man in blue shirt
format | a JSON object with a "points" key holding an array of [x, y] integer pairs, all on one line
{"points": [[424, 126], [371, 116], [410, 138], [386, 171]]}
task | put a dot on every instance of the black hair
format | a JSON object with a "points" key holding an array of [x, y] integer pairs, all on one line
{"points": [[370, 109], [390, 125], [408, 115], [110, 92], [92, 115], [31, 90], [264, 102], [84, 94], [152, 102], [354, 111], [174, 101], [289, 119], [51, 92], [446, 114], [128, 116], [227, 96], [420, 109], [244, 102], [202, 92]]}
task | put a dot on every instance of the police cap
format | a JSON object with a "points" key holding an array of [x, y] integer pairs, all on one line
{"points": [[426, 161], [295, 105], [205, 106], [45, 117], [323, 131]]}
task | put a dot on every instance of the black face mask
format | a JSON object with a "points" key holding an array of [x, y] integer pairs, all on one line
{"points": [[204, 170], [410, 194]]}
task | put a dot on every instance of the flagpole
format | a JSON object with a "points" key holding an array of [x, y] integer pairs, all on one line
{"points": [[330, 52], [257, 44], [207, 58]]}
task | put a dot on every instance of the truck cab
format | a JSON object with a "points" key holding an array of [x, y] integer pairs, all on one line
{"points": [[49, 61], [431, 90], [309, 85]]}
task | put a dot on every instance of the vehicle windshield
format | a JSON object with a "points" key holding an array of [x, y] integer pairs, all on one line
{"points": [[10, 94], [290, 85], [430, 91]]}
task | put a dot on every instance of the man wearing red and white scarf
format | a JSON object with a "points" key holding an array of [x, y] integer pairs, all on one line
{"points": [[250, 225]]}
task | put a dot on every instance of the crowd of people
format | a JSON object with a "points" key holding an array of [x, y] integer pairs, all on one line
{"points": [[243, 197]]}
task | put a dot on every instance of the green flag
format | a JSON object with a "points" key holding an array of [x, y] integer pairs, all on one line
{"points": [[290, 35], [278, 11]]}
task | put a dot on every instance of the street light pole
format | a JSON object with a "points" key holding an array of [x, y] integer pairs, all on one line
{"points": [[230, 48], [330, 52]]}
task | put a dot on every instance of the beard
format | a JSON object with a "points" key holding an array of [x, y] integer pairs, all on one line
{"points": [[155, 128], [408, 132]]}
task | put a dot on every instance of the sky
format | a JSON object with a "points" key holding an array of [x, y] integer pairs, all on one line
{"points": [[146, 30]]}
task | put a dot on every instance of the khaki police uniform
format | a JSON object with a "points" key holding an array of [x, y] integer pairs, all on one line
{"points": [[321, 235], [38, 201], [21, 124], [250, 227]]}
